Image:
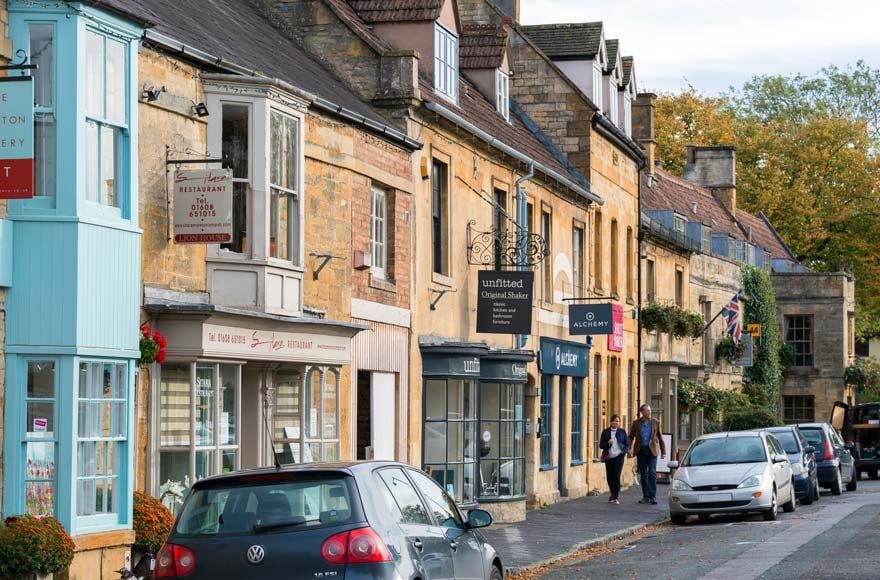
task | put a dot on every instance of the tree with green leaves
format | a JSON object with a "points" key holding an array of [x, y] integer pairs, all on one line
{"points": [[808, 156]]}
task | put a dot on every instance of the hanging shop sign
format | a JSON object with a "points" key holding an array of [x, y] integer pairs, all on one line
{"points": [[16, 137], [747, 359], [590, 319], [202, 206], [269, 345], [504, 302], [615, 339], [563, 358]]}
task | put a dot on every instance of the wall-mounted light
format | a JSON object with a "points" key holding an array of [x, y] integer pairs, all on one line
{"points": [[200, 109], [152, 93]]}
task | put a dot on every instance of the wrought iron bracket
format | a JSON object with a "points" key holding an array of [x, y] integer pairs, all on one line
{"points": [[511, 247], [324, 260], [440, 294], [22, 66]]}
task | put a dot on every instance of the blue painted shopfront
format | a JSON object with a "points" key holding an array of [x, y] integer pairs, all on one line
{"points": [[72, 309]]}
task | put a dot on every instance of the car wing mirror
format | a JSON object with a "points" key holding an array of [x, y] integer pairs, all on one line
{"points": [[672, 464], [809, 449], [478, 518], [779, 458]]}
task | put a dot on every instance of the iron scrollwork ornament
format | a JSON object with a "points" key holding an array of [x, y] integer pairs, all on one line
{"points": [[505, 247]]}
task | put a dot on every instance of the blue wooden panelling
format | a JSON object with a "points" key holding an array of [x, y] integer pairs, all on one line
{"points": [[41, 306], [108, 281], [5, 253]]}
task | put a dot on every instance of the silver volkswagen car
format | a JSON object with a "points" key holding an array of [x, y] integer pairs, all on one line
{"points": [[734, 472]]}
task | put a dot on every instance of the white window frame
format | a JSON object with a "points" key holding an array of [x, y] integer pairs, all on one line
{"points": [[445, 63], [597, 85], [262, 100], [612, 97], [502, 94], [379, 232]]}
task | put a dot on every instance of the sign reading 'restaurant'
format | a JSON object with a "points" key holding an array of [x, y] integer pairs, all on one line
{"points": [[203, 206], [16, 137], [504, 302], [270, 345]]}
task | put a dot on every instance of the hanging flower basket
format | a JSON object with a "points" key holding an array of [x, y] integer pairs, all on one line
{"points": [[727, 349], [152, 346]]}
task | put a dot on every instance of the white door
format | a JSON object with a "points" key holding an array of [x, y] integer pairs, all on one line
{"points": [[383, 415]]}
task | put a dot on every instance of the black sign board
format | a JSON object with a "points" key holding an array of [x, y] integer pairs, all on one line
{"points": [[504, 302], [590, 319]]}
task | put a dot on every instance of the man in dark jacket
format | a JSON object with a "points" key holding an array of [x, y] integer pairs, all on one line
{"points": [[647, 445]]}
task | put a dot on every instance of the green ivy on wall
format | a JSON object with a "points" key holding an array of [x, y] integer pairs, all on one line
{"points": [[765, 374]]}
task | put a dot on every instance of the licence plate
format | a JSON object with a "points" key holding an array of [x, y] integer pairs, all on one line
{"points": [[715, 497]]}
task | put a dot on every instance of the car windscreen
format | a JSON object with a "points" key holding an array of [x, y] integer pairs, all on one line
{"points": [[724, 450], [251, 505], [788, 441], [814, 437]]}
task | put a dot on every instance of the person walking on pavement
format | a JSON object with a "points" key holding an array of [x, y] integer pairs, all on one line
{"points": [[614, 445], [647, 446]]}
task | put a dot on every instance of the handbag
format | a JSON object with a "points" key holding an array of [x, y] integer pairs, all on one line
{"points": [[604, 457]]}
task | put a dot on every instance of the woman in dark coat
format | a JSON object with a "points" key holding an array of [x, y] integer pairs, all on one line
{"points": [[614, 445]]}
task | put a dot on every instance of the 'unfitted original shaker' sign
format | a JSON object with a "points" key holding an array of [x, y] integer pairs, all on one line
{"points": [[203, 206], [504, 302], [16, 137]]}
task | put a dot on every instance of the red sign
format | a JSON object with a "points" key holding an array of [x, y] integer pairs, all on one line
{"points": [[615, 339], [16, 138]]}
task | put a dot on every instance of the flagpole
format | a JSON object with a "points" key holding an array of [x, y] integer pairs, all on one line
{"points": [[708, 324]]}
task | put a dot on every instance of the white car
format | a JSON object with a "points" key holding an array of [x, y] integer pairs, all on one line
{"points": [[734, 472]]}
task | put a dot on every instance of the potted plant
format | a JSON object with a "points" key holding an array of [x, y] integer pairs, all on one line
{"points": [[34, 547], [656, 317], [152, 346], [152, 523]]}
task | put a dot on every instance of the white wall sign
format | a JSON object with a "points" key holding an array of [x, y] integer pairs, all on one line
{"points": [[269, 345], [202, 206]]}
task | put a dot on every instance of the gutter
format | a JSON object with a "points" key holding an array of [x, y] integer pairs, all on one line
{"points": [[314, 101], [611, 131], [508, 150]]}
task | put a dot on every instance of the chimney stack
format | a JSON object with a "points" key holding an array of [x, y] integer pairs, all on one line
{"points": [[509, 7], [715, 169], [643, 126]]}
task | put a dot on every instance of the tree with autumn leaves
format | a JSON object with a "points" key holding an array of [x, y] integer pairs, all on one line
{"points": [[808, 156]]}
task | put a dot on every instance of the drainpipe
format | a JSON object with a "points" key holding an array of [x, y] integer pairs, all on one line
{"points": [[522, 225]]}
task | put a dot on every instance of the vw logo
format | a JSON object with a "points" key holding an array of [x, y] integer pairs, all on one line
{"points": [[255, 554]]}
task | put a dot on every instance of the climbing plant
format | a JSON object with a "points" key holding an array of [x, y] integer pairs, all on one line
{"points": [[765, 374]]}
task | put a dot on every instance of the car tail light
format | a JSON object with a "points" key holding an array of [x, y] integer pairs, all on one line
{"points": [[174, 561], [829, 451], [360, 546]]}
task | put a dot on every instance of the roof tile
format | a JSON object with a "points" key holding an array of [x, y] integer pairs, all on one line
{"points": [[580, 40], [397, 10], [482, 46], [626, 77]]}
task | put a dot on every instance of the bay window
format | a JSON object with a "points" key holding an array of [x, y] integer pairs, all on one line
{"points": [[502, 436], [39, 441], [42, 54], [235, 140], [283, 180], [450, 438]]}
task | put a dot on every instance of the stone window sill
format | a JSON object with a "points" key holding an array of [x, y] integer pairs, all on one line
{"points": [[98, 540], [442, 280], [382, 284]]}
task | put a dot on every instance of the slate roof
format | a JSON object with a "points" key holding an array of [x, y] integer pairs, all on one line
{"points": [[764, 235], [397, 10], [570, 41], [133, 9], [476, 109], [612, 47], [253, 42], [627, 63], [482, 46], [670, 192]]}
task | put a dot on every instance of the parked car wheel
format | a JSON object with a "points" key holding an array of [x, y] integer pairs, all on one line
{"points": [[811, 493], [771, 514], [678, 519], [837, 485], [817, 494], [791, 504], [496, 574], [854, 482]]}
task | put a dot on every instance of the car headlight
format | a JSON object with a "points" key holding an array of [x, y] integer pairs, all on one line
{"points": [[680, 485], [753, 481]]}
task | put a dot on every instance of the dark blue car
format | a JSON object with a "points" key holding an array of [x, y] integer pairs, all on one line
{"points": [[835, 461], [802, 457], [343, 521]]}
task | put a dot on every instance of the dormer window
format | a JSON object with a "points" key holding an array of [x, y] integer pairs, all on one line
{"points": [[597, 86], [502, 94], [445, 63], [612, 99]]}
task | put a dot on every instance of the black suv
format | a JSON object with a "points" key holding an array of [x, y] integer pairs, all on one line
{"points": [[345, 520], [860, 425]]}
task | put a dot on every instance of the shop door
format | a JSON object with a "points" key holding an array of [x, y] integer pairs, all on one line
{"points": [[560, 435], [376, 415]]}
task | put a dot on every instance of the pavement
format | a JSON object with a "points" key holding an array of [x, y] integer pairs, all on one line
{"points": [[554, 532]]}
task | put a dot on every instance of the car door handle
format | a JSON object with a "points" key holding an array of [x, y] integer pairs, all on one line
{"points": [[417, 544], [453, 544]]}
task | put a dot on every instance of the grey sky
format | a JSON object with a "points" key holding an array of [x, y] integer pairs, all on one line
{"points": [[714, 44]]}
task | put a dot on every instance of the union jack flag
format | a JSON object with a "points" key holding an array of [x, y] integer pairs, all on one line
{"points": [[732, 314]]}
